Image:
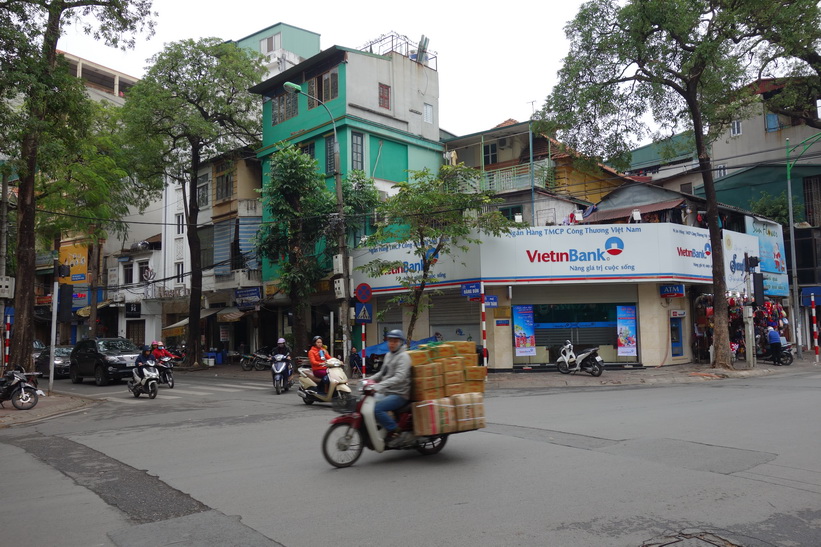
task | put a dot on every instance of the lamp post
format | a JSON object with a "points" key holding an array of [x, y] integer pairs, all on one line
{"points": [[342, 240], [804, 145]]}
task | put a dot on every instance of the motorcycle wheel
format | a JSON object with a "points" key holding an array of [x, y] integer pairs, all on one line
{"points": [[596, 369], [562, 366], [342, 445], [433, 446], [24, 398], [278, 386], [341, 401], [246, 363], [786, 359], [152, 390], [259, 364], [170, 379], [136, 392]]}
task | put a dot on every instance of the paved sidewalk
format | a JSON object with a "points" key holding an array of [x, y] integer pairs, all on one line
{"points": [[58, 403]]}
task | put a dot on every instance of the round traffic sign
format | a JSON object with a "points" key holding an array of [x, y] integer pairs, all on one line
{"points": [[363, 292]]}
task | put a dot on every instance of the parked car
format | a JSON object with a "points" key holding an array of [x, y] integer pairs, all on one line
{"points": [[38, 347], [104, 359], [62, 356]]}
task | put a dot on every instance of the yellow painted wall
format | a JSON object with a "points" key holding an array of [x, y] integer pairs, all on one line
{"points": [[654, 327]]}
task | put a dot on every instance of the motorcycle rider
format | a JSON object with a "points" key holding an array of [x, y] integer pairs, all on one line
{"points": [[394, 384], [317, 355], [159, 351], [145, 357], [282, 349]]}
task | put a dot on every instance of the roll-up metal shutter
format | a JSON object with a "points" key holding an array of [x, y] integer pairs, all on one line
{"points": [[455, 309]]}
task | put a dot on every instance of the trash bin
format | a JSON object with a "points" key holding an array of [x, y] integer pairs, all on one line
{"points": [[220, 359], [209, 358]]}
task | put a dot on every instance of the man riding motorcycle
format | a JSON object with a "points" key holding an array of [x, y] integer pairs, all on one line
{"points": [[145, 357], [394, 384]]}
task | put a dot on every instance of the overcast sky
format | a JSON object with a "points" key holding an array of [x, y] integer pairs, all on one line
{"points": [[495, 61]]}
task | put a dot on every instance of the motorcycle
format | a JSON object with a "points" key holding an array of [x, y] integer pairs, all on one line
{"points": [[338, 393], [148, 384], [281, 371], [786, 358], [350, 433], [164, 368], [260, 359], [587, 361], [15, 387], [247, 362]]}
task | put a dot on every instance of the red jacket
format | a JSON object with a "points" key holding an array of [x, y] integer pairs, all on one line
{"points": [[318, 359], [160, 353]]}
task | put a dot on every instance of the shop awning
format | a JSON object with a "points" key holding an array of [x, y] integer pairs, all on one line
{"points": [[230, 315], [178, 328], [85, 312], [624, 212]]}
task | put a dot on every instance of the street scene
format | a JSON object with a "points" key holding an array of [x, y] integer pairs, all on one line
{"points": [[672, 459]]}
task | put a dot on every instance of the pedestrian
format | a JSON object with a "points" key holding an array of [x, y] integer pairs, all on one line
{"points": [[774, 338]]}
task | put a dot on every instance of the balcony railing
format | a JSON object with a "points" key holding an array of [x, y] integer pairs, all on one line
{"points": [[518, 177], [238, 279]]}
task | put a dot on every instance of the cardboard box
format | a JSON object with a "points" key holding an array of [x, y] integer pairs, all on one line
{"points": [[419, 357], [454, 377], [441, 350], [475, 373], [471, 360], [463, 404], [434, 417], [431, 369], [475, 386], [454, 389], [428, 382], [427, 394], [451, 364], [463, 347]]}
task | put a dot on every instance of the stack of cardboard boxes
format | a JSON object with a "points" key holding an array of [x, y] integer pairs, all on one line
{"points": [[448, 387]]}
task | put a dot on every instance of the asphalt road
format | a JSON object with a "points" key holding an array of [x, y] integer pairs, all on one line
{"points": [[221, 461]]}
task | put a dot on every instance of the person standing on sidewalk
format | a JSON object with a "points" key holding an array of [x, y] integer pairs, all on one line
{"points": [[774, 338]]}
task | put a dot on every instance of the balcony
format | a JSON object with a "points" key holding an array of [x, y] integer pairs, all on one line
{"points": [[238, 279], [517, 177]]}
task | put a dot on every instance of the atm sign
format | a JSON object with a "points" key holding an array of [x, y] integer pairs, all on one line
{"points": [[672, 291]]}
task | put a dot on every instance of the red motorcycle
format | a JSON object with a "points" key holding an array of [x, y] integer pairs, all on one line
{"points": [[350, 433]]}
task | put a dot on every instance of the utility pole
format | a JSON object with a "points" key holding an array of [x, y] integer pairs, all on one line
{"points": [[4, 231]]}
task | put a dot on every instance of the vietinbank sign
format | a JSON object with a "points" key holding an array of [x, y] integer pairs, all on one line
{"points": [[609, 253]]}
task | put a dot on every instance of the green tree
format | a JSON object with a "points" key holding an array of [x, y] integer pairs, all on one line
{"points": [[777, 208], [193, 105], [680, 64], [440, 214], [41, 110], [300, 236]]}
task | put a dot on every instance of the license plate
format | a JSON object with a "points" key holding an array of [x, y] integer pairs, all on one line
{"points": [[599, 359]]}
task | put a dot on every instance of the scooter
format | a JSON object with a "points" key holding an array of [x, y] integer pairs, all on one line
{"points": [[281, 371], [164, 368], [339, 393], [148, 383], [350, 433], [261, 358], [587, 361], [15, 386], [786, 359]]}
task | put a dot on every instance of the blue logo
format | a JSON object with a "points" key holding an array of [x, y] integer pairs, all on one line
{"points": [[708, 250], [614, 246]]}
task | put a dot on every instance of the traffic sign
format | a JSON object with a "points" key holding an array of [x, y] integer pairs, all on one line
{"points": [[364, 313], [363, 292]]}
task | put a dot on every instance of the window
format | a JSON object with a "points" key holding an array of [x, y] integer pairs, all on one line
{"points": [[271, 43], [309, 149], [329, 156], [720, 171], [143, 270], [179, 219], [511, 212], [385, 96], [812, 201], [427, 113], [357, 151], [735, 128], [179, 271], [284, 107], [203, 191], [324, 87], [225, 182], [206, 247], [128, 274], [686, 188], [490, 154]]}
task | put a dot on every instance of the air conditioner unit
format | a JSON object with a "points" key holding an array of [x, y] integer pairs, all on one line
{"points": [[504, 142]]}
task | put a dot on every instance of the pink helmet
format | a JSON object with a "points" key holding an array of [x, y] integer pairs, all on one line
{"points": [[155, 343], [160, 343]]}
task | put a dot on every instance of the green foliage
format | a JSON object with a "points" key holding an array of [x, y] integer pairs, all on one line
{"points": [[777, 208], [440, 214]]}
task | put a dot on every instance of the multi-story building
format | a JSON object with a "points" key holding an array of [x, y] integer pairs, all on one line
{"points": [[383, 106]]}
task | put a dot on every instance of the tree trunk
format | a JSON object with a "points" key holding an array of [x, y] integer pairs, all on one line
{"points": [[194, 347], [721, 329], [23, 338]]}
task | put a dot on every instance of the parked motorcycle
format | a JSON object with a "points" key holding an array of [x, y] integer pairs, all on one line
{"points": [[164, 368], [785, 359], [350, 433], [148, 384], [246, 361], [339, 393], [261, 359], [587, 361], [281, 371], [16, 387]]}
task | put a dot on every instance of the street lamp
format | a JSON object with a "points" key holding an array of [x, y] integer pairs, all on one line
{"points": [[342, 239], [804, 145]]}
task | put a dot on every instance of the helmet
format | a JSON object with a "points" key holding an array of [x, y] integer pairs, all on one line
{"points": [[159, 343], [396, 333], [146, 348], [282, 341], [770, 328], [315, 338], [154, 343]]}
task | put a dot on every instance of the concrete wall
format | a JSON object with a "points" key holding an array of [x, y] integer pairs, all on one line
{"points": [[654, 327]]}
